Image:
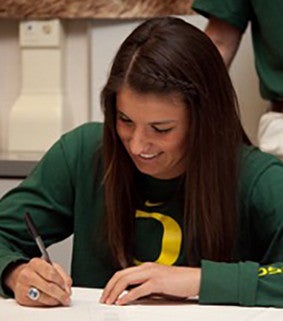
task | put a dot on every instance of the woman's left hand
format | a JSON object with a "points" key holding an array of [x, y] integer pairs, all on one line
{"points": [[152, 278]]}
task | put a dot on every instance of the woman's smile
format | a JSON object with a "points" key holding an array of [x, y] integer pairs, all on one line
{"points": [[153, 130]]}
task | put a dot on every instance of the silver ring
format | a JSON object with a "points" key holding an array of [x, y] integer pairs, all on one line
{"points": [[33, 293]]}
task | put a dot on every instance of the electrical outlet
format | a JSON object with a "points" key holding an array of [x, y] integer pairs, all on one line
{"points": [[40, 33]]}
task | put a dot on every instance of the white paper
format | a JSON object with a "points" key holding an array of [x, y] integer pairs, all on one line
{"points": [[86, 307]]}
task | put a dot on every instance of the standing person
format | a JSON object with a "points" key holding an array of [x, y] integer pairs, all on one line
{"points": [[228, 19], [165, 196]]}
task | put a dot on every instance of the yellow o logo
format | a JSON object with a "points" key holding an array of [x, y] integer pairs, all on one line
{"points": [[171, 240], [262, 271]]}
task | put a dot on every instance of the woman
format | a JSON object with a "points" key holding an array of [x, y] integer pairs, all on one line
{"points": [[170, 201]]}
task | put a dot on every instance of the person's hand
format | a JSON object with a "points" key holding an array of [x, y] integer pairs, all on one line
{"points": [[52, 282], [151, 278]]}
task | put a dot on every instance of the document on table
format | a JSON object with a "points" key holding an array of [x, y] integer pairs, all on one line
{"points": [[85, 307]]}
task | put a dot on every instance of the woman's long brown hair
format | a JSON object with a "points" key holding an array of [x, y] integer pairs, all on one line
{"points": [[167, 56]]}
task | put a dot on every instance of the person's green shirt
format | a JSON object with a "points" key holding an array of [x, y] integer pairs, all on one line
{"points": [[64, 194], [267, 35]]}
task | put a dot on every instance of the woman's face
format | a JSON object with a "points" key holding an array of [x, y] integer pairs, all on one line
{"points": [[153, 129]]}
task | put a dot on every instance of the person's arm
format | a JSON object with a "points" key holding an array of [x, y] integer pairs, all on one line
{"points": [[259, 281], [47, 193], [226, 38]]}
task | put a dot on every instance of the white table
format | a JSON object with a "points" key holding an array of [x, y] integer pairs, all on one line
{"points": [[85, 307]]}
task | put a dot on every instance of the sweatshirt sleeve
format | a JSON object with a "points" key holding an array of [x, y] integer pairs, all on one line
{"points": [[47, 194], [243, 283], [234, 12], [229, 283], [251, 283], [50, 195]]}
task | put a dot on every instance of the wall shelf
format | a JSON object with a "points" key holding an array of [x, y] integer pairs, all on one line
{"points": [[46, 9]]}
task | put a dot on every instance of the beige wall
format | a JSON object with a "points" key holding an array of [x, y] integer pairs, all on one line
{"points": [[9, 73]]}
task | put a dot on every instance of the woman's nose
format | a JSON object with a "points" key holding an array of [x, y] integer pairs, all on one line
{"points": [[138, 142]]}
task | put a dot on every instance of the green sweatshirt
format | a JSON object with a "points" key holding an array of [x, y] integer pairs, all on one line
{"points": [[267, 35], [64, 195]]}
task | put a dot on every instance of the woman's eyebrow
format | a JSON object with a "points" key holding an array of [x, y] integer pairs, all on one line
{"points": [[163, 122], [155, 123]]}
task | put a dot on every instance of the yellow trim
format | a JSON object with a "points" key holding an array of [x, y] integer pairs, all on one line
{"points": [[270, 270]]}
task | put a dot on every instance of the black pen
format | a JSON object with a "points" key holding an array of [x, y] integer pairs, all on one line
{"points": [[34, 233]]}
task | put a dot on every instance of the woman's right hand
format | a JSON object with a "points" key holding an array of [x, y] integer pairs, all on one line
{"points": [[52, 282]]}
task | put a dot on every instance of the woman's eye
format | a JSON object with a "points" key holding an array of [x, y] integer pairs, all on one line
{"points": [[162, 130], [124, 119]]}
